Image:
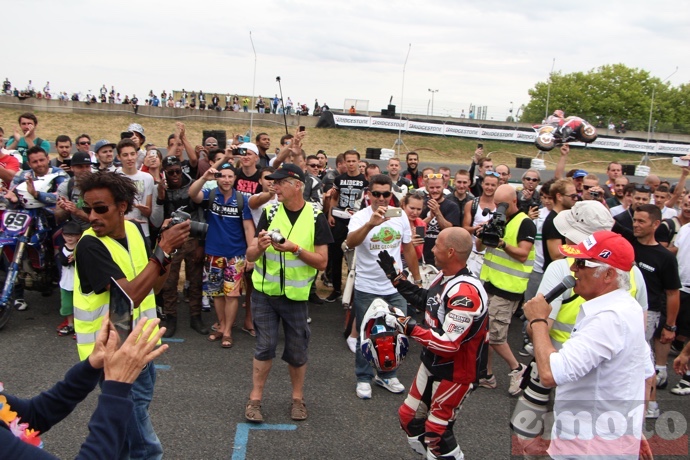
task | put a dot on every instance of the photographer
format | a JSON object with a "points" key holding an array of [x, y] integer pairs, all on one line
{"points": [[591, 189], [173, 194], [528, 198], [230, 230], [508, 263], [438, 214]]}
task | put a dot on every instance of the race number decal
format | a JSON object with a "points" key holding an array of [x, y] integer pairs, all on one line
{"points": [[15, 221]]}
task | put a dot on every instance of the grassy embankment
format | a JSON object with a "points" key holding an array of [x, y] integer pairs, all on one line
{"points": [[436, 149]]}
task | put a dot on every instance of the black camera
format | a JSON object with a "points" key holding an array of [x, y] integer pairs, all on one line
{"points": [[526, 205], [126, 135], [198, 229], [495, 228], [241, 151], [594, 195]]}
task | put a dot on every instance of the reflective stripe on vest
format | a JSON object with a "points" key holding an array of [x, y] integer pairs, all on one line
{"points": [[565, 319], [281, 273], [502, 270], [89, 309]]}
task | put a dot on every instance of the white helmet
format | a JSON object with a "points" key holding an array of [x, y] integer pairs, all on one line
{"points": [[384, 347], [41, 184]]}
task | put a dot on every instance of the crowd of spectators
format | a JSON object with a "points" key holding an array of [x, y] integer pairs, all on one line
{"points": [[236, 190], [184, 99]]}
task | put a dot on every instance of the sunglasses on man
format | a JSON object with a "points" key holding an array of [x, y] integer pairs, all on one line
{"points": [[378, 194], [97, 209]]}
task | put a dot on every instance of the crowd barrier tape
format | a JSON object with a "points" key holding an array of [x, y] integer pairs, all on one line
{"points": [[513, 135]]}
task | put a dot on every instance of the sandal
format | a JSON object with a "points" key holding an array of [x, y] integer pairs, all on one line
{"points": [[252, 411], [249, 331], [299, 410], [226, 342], [215, 336]]}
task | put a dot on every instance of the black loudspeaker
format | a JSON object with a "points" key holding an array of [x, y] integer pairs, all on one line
{"points": [[391, 110], [220, 136], [523, 163], [373, 153], [629, 170], [385, 113]]}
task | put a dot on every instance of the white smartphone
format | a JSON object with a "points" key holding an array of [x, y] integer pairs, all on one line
{"points": [[393, 212], [678, 162]]}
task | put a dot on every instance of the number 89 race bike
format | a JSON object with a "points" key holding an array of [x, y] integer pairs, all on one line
{"points": [[26, 255]]}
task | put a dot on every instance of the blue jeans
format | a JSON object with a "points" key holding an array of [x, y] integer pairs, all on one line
{"points": [[142, 441], [361, 302]]}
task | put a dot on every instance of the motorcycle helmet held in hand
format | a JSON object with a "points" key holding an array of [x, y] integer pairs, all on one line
{"points": [[41, 184], [384, 347]]}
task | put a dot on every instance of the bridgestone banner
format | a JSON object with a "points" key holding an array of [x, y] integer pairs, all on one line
{"points": [[503, 134]]}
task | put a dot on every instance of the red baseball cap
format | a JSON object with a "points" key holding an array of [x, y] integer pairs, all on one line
{"points": [[606, 247]]}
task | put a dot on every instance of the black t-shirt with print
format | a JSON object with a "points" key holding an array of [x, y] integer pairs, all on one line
{"points": [[659, 268], [350, 189]]}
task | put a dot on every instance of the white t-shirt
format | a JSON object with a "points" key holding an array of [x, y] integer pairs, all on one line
{"points": [[388, 236], [144, 184], [668, 213], [67, 272], [617, 210], [682, 242]]}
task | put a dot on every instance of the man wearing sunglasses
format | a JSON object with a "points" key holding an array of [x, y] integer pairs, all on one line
{"points": [[370, 232], [505, 272], [115, 248], [576, 224], [601, 368], [173, 194]]}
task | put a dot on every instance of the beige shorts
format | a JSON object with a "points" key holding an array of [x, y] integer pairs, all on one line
{"points": [[500, 313]]}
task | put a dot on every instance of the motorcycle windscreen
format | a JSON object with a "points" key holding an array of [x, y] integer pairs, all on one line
{"points": [[121, 309]]}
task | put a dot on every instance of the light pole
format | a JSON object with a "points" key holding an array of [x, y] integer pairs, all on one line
{"points": [[548, 90], [251, 116], [399, 141], [510, 112], [432, 91], [651, 109]]}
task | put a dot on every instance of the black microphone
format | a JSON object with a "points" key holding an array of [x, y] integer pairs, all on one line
{"points": [[567, 283]]}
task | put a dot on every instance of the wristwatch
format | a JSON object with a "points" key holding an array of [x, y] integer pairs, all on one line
{"points": [[670, 328], [297, 252]]}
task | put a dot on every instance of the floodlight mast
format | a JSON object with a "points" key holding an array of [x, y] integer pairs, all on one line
{"points": [[398, 141], [645, 157], [251, 114]]}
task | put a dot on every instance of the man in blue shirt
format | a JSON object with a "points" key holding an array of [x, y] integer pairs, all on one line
{"points": [[230, 230]]}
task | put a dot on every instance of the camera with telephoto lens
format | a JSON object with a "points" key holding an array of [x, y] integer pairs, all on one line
{"points": [[495, 228], [276, 236], [197, 230]]}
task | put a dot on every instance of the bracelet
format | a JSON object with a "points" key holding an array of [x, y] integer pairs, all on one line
{"points": [[297, 251], [161, 258], [418, 282], [538, 320]]}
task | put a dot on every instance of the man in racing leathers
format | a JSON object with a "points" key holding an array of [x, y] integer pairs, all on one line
{"points": [[455, 341]]}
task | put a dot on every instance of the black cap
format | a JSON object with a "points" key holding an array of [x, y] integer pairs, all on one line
{"points": [[287, 170], [171, 160], [71, 228], [81, 158]]}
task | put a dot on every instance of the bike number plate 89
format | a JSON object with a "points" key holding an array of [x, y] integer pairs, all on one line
{"points": [[15, 221]]}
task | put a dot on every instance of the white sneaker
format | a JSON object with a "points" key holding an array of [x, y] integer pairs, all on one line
{"points": [[205, 304], [516, 380], [661, 378], [363, 390], [393, 384], [683, 387], [652, 410], [352, 344], [20, 304]]}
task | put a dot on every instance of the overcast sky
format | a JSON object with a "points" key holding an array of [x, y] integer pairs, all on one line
{"points": [[483, 53]]}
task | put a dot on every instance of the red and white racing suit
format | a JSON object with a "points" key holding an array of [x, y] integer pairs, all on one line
{"points": [[454, 357]]}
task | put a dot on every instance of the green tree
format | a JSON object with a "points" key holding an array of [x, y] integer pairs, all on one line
{"points": [[610, 93]]}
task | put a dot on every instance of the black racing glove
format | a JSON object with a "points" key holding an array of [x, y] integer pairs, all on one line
{"points": [[387, 264]]}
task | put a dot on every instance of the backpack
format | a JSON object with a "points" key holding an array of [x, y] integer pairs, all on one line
{"points": [[475, 206], [673, 225]]}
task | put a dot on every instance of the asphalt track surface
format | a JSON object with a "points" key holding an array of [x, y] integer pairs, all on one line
{"points": [[201, 390]]}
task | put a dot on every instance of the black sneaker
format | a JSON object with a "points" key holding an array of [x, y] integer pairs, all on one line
{"points": [[66, 330], [326, 282], [332, 297], [315, 299]]}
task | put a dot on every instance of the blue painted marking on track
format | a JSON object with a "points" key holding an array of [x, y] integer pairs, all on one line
{"points": [[173, 340], [242, 436], [162, 367]]}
